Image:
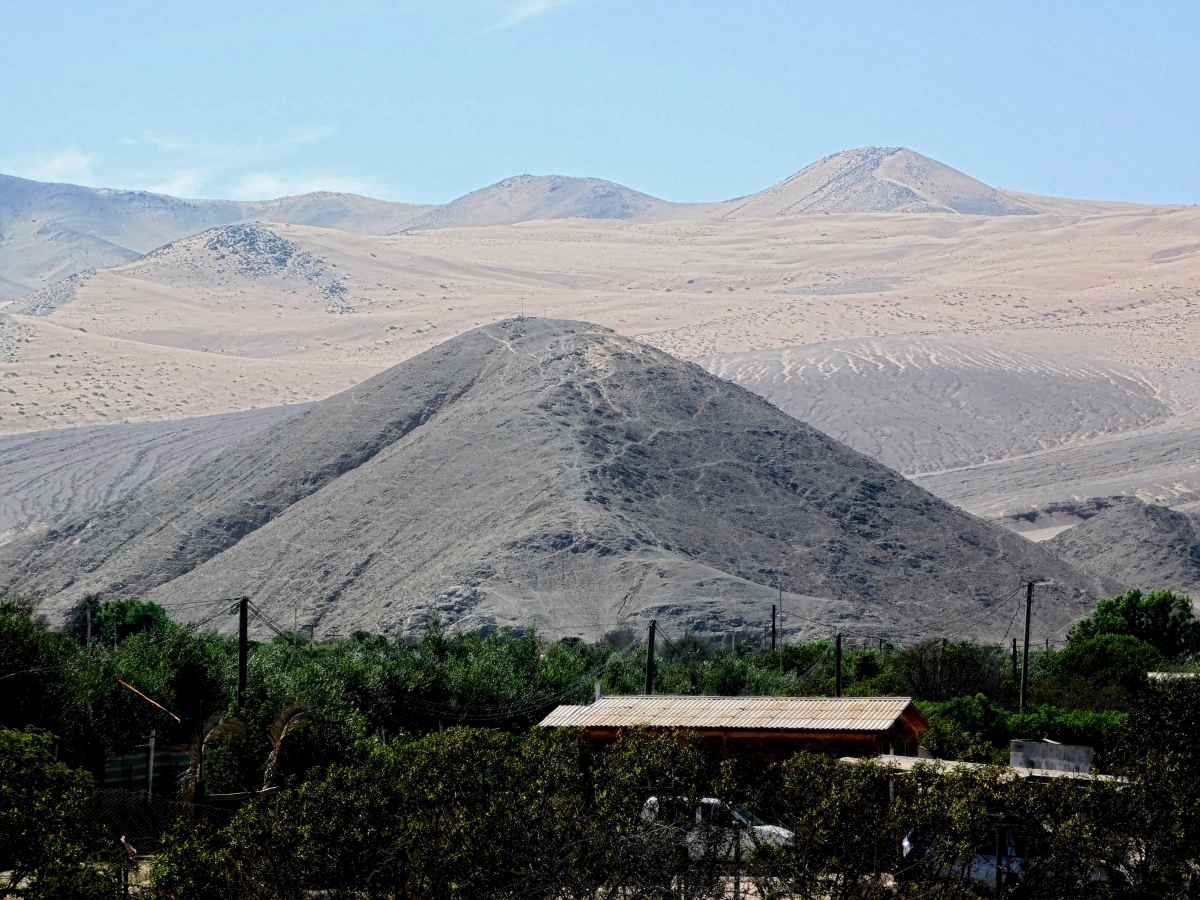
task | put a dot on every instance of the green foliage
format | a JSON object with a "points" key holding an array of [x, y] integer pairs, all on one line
{"points": [[978, 730], [938, 671], [48, 845], [377, 801], [117, 619], [1095, 729], [947, 740], [1120, 659], [193, 862], [841, 821], [1162, 619]]}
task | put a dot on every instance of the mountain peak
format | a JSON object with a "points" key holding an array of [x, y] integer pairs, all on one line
{"points": [[524, 198], [548, 472], [878, 179]]}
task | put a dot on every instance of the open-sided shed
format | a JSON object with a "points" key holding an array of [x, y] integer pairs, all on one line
{"points": [[764, 727]]}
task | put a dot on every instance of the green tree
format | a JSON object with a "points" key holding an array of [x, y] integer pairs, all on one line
{"points": [[1162, 619], [119, 619], [49, 846], [839, 815], [1113, 658]]}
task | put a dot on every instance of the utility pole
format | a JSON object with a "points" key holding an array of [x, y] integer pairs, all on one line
{"points": [[88, 607], [772, 627], [837, 667], [243, 605], [150, 769], [650, 659], [1025, 661]]}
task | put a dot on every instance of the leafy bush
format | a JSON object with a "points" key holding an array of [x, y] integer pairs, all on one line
{"points": [[1120, 659], [1162, 619], [48, 845]]}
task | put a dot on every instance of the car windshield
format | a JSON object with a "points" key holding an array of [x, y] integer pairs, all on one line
{"points": [[747, 818]]}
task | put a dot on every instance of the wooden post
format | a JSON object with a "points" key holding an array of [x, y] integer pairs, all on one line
{"points": [[243, 603], [837, 667], [772, 627], [150, 768], [1025, 661], [650, 658]]}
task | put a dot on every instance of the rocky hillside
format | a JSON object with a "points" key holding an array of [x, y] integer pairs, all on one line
{"points": [[52, 231], [1138, 544], [551, 473]]}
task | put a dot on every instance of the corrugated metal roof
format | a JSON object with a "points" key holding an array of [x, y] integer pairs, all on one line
{"points": [[738, 713]]}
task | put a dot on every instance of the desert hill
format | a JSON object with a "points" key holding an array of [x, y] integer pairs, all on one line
{"points": [[526, 198], [1006, 362], [1138, 544], [555, 473], [878, 179], [52, 231]]}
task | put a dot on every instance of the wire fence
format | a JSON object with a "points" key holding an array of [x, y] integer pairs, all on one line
{"points": [[143, 820]]}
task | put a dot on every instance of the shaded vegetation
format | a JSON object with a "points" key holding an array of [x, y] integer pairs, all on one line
{"points": [[407, 768]]}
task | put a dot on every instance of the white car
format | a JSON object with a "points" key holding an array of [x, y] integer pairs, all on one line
{"points": [[723, 828]]}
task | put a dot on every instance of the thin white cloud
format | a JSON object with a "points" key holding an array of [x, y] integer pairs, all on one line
{"points": [[181, 167], [265, 186], [69, 166], [180, 184], [517, 13]]}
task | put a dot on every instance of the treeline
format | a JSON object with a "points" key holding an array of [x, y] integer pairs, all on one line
{"points": [[367, 687], [469, 813], [408, 767]]}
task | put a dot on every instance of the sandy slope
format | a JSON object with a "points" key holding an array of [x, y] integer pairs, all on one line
{"points": [[46, 475], [1024, 348], [244, 335]]}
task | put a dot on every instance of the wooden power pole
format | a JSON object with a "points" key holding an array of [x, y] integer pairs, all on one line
{"points": [[837, 667], [243, 605], [1025, 661], [650, 658]]}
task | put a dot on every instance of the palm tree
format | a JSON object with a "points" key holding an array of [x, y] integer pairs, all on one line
{"points": [[214, 729], [286, 722]]}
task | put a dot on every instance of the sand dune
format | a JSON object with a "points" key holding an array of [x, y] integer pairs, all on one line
{"points": [[927, 403], [196, 329], [1027, 346]]}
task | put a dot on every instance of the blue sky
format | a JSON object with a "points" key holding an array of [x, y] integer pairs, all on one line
{"points": [[424, 101]]}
